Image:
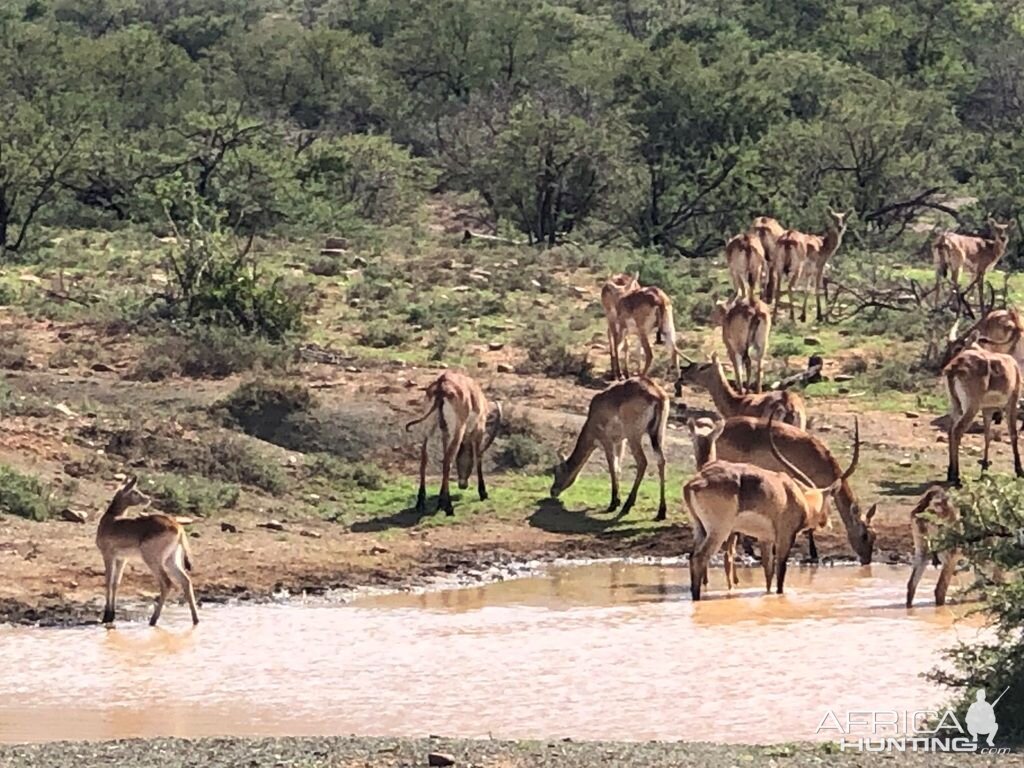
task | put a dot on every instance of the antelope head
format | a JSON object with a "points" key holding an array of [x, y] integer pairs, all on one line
{"points": [[839, 219], [1000, 232], [127, 496]]}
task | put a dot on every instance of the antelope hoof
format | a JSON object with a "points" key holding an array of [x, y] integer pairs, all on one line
{"points": [[421, 502], [445, 503], [627, 506], [984, 464], [483, 494], [679, 389], [613, 504], [953, 477], [662, 512], [108, 616], [152, 621]]}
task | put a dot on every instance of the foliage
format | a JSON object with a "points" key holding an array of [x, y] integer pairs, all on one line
{"points": [[260, 406], [24, 496], [189, 494], [990, 536], [208, 351], [550, 350]]}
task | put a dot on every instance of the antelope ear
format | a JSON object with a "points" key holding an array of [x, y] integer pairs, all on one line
{"points": [[131, 482], [714, 358], [871, 512]]}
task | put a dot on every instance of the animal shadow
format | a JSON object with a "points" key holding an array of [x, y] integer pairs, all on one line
{"points": [[406, 518]]}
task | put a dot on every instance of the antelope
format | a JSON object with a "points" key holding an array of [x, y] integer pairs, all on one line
{"points": [[729, 402], [990, 382], [819, 251], [768, 231], [612, 291], [745, 325], [645, 310], [704, 434], [803, 254], [770, 506], [159, 540], [744, 255], [621, 414], [468, 423], [746, 439], [933, 509], [951, 252], [998, 331]]}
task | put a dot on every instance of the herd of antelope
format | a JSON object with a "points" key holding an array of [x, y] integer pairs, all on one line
{"points": [[760, 476]]}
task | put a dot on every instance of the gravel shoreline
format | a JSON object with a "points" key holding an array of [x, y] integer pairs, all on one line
{"points": [[353, 752]]}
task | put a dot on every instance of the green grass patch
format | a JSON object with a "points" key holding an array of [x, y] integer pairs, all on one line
{"points": [[25, 496]]}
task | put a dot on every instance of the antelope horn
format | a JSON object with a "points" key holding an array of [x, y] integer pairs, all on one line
{"points": [[856, 449], [790, 467]]}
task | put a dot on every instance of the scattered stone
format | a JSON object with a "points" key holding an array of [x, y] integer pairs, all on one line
{"points": [[375, 550], [912, 414], [905, 463], [840, 377], [495, 346], [63, 408], [273, 525], [461, 288], [195, 535], [812, 341], [119, 476], [73, 515], [102, 368], [359, 261], [581, 292], [65, 335], [336, 243], [843, 390], [228, 528], [536, 283], [335, 252], [505, 368], [941, 438], [310, 534], [440, 759]]}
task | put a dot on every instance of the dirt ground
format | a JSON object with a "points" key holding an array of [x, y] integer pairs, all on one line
{"points": [[52, 572]]}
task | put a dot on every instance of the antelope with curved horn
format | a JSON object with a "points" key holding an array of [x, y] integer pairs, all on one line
{"points": [[768, 231], [1000, 330], [643, 311], [746, 439], [744, 255], [770, 506], [990, 382], [468, 424], [612, 291], [931, 511], [158, 540], [951, 252], [746, 325], [729, 402], [618, 416]]}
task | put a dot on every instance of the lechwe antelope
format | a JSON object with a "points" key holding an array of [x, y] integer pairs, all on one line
{"points": [[773, 507], [746, 325], [990, 382], [746, 439], [744, 255], [934, 509], [768, 231], [704, 433], [158, 540], [804, 256], [621, 415], [951, 252], [612, 291], [643, 311], [1001, 330], [468, 423], [729, 402]]}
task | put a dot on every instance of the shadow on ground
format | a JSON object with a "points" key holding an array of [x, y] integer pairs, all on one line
{"points": [[407, 518]]}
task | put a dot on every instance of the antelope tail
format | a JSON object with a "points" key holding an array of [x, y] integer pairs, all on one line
{"points": [[422, 418], [666, 326], [185, 551]]}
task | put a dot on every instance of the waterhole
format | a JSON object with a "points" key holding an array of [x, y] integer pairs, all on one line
{"points": [[608, 650]]}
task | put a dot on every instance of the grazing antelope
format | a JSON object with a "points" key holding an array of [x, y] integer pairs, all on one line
{"points": [[933, 509], [746, 439], [612, 291], [729, 402], [768, 231], [468, 426], [801, 254], [990, 382], [771, 506], [642, 311], [621, 414], [158, 540], [819, 251], [951, 252], [744, 255], [704, 433], [745, 325]]}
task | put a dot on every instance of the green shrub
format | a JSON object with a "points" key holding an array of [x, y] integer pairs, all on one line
{"points": [[895, 375], [324, 266], [24, 496], [190, 494], [210, 352], [381, 334], [551, 350], [990, 536], [13, 351], [345, 475], [260, 407]]}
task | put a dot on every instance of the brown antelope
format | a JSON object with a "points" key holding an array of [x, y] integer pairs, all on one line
{"points": [[612, 291], [643, 311], [771, 506], [1000, 330], [744, 255], [933, 510], [768, 231], [158, 540], [746, 439], [729, 402], [951, 252], [819, 251], [621, 414], [801, 254], [745, 325], [979, 380], [468, 423]]}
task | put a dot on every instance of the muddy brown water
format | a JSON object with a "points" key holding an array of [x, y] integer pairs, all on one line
{"points": [[607, 650]]}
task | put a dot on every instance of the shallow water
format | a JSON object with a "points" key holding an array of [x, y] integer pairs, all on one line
{"points": [[610, 650]]}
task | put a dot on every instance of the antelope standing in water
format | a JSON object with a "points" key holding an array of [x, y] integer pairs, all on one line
{"points": [[158, 540], [622, 414], [934, 502], [468, 426], [612, 291]]}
